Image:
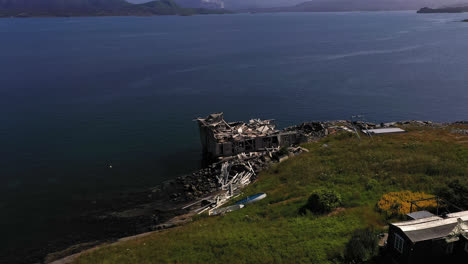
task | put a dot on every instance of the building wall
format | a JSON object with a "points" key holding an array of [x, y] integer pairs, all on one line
{"points": [[399, 257], [429, 251], [214, 149], [227, 149], [461, 249]]}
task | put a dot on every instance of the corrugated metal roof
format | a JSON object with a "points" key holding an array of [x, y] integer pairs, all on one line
{"points": [[462, 214], [431, 233], [431, 227], [384, 130], [418, 221], [420, 215]]}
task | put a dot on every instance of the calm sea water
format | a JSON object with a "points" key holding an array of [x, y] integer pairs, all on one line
{"points": [[80, 94]]}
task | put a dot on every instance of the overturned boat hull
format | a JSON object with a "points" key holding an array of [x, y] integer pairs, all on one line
{"points": [[252, 199]]}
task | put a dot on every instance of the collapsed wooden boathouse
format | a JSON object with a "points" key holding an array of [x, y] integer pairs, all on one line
{"points": [[221, 139]]}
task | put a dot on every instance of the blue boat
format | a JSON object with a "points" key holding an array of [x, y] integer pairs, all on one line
{"points": [[253, 198]]}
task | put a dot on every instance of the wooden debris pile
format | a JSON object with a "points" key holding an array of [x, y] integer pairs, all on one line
{"points": [[460, 131], [310, 130], [223, 131], [234, 171]]}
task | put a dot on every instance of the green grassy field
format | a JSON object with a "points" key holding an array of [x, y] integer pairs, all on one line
{"points": [[272, 230]]}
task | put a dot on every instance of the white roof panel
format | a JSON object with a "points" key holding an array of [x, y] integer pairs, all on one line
{"points": [[431, 222], [384, 130]]}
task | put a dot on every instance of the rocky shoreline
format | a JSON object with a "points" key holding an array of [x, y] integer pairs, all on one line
{"points": [[174, 202]]}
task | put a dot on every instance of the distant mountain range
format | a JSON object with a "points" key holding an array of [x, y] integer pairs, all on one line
{"points": [[317, 5], [39, 8], [232, 4], [449, 9], [213, 4], [357, 5], [35, 8]]}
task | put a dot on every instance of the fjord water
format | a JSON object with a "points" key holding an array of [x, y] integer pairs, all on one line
{"points": [[78, 95]]}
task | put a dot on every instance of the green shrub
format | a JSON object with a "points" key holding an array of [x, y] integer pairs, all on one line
{"points": [[323, 200], [455, 192], [361, 247], [372, 184]]}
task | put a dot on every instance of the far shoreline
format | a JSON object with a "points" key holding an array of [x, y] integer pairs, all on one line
{"points": [[228, 12]]}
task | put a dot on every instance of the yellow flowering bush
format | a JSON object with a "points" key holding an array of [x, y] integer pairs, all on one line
{"points": [[398, 203]]}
